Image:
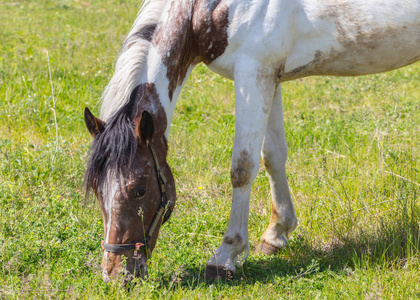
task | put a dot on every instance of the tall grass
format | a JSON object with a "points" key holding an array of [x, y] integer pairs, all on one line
{"points": [[353, 170]]}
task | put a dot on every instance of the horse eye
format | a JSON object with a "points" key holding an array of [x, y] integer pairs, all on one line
{"points": [[140, 193]]}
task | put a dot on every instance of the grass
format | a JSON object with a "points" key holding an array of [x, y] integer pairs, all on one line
{"points": [[353, 170]]}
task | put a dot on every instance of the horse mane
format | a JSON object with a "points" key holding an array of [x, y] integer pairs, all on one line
{"points": [[131, 59], [113, 150]]}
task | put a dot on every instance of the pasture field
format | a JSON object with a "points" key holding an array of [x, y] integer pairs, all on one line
{"points": [[353, 169]]}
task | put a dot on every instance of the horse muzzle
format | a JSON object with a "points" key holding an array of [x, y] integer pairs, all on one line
{"points": [[126, 266]]}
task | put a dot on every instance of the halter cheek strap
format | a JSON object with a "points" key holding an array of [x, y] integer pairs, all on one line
{"points": [[142, 245]]}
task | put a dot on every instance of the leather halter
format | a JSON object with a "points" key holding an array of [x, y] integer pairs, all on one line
{"points": [[143, 244]]}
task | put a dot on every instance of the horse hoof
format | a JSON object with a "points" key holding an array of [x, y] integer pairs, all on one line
{"points": [[215, 273], [266, 248]]}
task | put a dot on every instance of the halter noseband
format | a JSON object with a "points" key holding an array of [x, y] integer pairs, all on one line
{"points": [[143, 244]]}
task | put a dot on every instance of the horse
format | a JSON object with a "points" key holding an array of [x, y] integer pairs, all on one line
{"points": [[257, 43]]}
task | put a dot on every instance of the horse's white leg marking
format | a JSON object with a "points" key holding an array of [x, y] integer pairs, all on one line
{"points": [[274, 152], [254, 89]]}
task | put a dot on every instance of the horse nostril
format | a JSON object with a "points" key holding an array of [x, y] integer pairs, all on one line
{"points": [[144, 273]]}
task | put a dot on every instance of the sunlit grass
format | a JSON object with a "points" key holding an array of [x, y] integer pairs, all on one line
{"points": [[353, 170]]}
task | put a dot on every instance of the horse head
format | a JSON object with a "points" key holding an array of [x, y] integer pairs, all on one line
{"points": [[128, 172]]}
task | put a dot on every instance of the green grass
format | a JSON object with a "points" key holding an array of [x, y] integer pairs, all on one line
{"points": [[353, 170]]}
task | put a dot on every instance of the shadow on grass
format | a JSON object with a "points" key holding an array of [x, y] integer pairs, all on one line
{"points": [[390, 246]]}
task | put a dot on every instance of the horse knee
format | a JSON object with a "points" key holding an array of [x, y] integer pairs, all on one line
{"points": [[273, 158], [242, 169]]}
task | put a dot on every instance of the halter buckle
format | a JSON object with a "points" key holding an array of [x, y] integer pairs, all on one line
{"points": [[137, 247]]}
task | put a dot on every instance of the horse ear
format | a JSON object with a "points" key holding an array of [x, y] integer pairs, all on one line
{"points": [[145, 127], [93, 124]]}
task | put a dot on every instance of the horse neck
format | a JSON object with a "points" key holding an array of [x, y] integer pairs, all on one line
{"points": [[155, 51], [192, 31], [162, 90], [171, 56]]}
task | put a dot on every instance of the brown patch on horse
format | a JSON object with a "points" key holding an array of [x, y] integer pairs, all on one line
{"points": [[210, 24], [151, 120], [241, 173], [173, 39], [191, 34], [274, 214], [131, 216], [151, 104], [233, 241]]}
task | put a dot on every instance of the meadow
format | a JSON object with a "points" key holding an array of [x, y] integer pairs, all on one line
{"points": [[353, 169]]}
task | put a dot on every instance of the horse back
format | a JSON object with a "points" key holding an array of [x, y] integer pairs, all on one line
{"points": [[293, 39]]}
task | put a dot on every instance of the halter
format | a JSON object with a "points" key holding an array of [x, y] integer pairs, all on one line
{"points": [[143, 244]]}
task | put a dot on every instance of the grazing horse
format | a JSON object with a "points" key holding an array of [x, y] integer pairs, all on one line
{"points": [[256, 43]]}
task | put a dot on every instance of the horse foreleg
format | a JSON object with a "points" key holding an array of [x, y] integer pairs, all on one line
{"points": [[254, 92], [274, 152]]}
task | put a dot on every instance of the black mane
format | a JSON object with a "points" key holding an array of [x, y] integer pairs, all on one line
{"points": [[114, 149]]}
